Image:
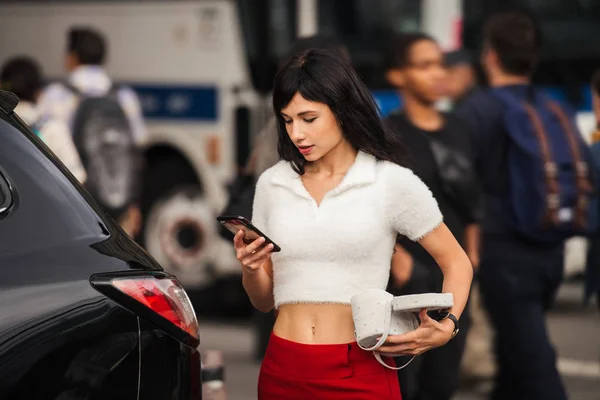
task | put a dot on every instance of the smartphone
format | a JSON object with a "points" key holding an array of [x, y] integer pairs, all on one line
{"points": [[235, 223]]}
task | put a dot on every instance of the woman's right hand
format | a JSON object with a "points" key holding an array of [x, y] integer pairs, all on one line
{"points": [[251, 258]]}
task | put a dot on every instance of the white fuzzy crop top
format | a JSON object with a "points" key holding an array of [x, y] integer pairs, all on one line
{"points": [[343, 246]]}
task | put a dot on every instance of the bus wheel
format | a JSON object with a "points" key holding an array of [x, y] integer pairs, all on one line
{"points": [[179, 233]]}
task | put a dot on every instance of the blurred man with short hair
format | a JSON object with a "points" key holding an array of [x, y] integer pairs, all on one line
{"points": [[435, 142], [592, 272], [519, 276], [86, 54]]}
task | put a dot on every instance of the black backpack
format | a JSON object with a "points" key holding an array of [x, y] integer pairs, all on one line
{"points": [[104, 139]]}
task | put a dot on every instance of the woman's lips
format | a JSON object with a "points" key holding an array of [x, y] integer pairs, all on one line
{"points": [[305, 149]]}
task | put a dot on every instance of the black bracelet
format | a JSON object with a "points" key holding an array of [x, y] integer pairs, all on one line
{"points": [[442, 315]]}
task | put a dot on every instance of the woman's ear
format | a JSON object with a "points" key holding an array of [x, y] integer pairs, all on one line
{"points": [[395, 77]]}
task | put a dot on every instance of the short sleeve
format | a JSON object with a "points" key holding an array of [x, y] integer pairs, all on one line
{"points": [[260, 204], [411, 210]]}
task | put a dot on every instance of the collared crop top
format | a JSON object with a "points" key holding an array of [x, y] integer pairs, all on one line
{"points": [[343, 246]]}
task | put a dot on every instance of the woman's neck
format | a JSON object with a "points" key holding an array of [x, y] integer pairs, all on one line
{"points": [[337, 161]]}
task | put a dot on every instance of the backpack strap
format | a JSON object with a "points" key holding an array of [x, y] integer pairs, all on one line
{"points": [[113, 89], [596, 109], [582, 179], [550, 167], [71, 88]]}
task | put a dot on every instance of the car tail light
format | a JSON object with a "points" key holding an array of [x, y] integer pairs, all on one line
{"points": [[164, 296]]}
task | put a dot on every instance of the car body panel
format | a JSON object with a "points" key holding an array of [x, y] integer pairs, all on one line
{"points": [[167, 366], [60, 337]]}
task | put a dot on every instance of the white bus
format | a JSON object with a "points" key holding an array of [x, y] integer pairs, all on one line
{"points": [[203, 70], [196, 68]]}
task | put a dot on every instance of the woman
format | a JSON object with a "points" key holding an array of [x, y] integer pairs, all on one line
{"points": [[334, 205]]}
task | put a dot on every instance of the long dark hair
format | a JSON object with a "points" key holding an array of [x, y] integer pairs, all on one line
{"points": [[327, 77]]}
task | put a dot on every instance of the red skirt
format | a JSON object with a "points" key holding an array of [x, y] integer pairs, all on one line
{"points": [[296, 371]]}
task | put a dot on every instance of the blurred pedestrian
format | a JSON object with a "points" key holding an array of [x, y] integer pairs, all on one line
{"points": [[592, 273], [442, 155], [461, 79], [118, 190], [477, 362], [23, 77], [528, 212], [335, 204]]}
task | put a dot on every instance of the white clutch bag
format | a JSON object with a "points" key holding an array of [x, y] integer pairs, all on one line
{"points": [[378, 314]]}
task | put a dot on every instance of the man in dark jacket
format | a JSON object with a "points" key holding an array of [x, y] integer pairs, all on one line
{"points": [[592, 273], [518, 278]]}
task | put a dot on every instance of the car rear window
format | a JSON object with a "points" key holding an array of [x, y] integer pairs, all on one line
{"points": [[51, 212]]}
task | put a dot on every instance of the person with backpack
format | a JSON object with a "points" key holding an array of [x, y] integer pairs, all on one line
{"points": [[23, 77], [535, 172], [592, 271], [106, 124], [440, 153]]}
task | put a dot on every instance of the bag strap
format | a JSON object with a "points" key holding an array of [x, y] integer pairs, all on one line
{"points": [[378, 358], [582, 181], [71, 88], [386, 328], [550, 167], [384, 336]]}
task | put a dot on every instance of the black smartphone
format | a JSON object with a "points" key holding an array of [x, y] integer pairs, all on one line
{"points": [[234, 223]]}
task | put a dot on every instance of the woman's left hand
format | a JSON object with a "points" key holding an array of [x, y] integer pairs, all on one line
{"points": [[429, 335]]}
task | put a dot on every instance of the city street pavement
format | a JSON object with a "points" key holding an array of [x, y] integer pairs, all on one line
{"points": [[574, 330]]}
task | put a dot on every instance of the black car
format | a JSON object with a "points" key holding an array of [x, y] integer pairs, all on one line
{"points": [[85, 313]]}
